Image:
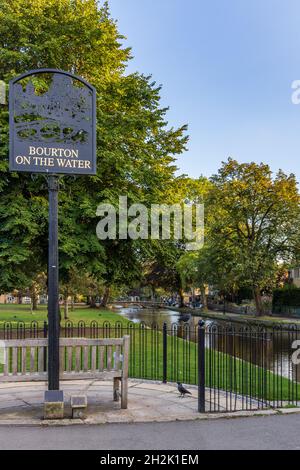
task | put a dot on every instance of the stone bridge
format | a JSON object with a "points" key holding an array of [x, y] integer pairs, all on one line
{"points": [[139, 304]]}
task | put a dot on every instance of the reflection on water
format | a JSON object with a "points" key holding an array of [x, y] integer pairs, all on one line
{"points": [[271, 350], [150, 316]]}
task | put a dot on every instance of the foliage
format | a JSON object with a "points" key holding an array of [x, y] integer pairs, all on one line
{"points": [[287, 297], [255, 224], [135, 148]]}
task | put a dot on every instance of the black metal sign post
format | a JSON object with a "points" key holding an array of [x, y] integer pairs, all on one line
{"points": [[53, 132], [53, 289]]}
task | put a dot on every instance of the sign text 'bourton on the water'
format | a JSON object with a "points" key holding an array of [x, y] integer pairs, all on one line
{"points": [[48, 158], [52, 124]]}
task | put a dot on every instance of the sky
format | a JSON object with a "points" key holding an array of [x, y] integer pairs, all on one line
{"points": [[227, 68]]}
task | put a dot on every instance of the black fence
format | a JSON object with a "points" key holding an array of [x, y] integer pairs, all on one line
{"points": [[234, 367]]}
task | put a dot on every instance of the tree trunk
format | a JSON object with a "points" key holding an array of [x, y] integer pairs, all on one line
{"points": [[258, 302], [203, 296], [92, 301], [181, 297], [20, 296], [34, 297], [152, 293], [72, 304], [105, 297], [34, 303]]}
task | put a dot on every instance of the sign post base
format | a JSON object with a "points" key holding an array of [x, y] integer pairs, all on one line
{"points": [[54, 404]]}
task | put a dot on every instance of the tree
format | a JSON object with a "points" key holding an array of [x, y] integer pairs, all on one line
{"points": [[187, 267], [136, 151], [38, 286], [165, 265], [160, 267], [255, 223]]}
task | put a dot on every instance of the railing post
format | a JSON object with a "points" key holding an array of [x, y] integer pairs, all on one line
{"points": [[45, 330], [165, 353], [45, 334], [201, 366]]}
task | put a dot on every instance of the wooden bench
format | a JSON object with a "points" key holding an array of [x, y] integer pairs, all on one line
{"points": [[80, 358]]}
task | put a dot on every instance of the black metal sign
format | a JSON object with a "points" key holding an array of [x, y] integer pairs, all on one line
{"points": [[52, 131]]}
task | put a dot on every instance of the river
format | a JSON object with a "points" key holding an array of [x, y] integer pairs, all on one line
{"points": [[274, 353]]}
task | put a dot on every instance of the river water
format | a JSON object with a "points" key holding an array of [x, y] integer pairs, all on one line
{"points": [[151, 316], [273, 353]]}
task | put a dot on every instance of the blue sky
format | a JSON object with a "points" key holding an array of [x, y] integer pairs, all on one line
{"points": [[226, 67]]}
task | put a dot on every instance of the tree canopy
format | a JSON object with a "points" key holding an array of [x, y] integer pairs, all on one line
{"points": [[252, 227], [135, 148]]}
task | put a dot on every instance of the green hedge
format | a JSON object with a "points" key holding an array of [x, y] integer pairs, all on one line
{"points": [[285, 298]]}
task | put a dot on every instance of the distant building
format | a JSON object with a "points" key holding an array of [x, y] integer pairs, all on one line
{"points": [[7, 299], [294, 276], [25, 299]]}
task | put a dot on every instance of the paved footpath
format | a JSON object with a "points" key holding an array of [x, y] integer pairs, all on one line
{"points": [[261, 433], [22, 403]]}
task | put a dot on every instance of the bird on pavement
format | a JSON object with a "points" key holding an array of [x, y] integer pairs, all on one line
{"points": [[182, 390]]}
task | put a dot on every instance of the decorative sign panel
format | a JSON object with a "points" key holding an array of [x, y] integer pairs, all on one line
{"points": [[53, 131]]}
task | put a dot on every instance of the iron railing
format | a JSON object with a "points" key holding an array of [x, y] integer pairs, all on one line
{"points": [[245, 367]]}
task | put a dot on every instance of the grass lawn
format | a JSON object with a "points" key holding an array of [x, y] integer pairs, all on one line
{"points": [[14, 313], [223, 371]]}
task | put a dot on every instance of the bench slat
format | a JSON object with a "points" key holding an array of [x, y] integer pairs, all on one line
{"points": [[19, 343], [77, 358], [94, 358], [41, 359], [23, 360], [109, 358], [69, 358], [101, 358], [104, 375], [91, 342], [32, 357], [117, 358], [85, 358], [35, 377], [62, 359], [15, 360]]}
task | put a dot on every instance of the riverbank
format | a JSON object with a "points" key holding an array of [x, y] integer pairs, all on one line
{"points": [[267, 321]]}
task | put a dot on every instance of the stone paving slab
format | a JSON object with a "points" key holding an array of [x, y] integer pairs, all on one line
{"points": [[155, 386], [22, 404]]}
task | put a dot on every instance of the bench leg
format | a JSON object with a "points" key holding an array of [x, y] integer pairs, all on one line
{"points": [[116, 389], [124, 393]]}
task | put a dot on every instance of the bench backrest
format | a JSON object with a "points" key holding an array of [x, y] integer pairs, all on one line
{"points": [[80, 358]]}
